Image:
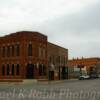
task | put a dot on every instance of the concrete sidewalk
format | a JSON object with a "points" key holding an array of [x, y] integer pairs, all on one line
{"points": [[56, 81], [40, 82]]}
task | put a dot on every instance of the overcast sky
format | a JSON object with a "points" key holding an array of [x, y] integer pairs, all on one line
{"points": [[73, 24]]}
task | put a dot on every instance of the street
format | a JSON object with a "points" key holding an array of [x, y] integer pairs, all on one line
{"points": [[68, 90]]}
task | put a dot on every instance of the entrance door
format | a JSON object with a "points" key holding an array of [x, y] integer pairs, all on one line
{"points": [[64, 74], [51, 75], [30, 71]]}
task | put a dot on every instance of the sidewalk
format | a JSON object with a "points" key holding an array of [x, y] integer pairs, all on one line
{"points": [[56, 81], [40, 82]]}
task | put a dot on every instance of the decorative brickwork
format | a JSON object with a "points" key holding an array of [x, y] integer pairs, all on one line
{"points": [[29, 55], [19, 55], [57, 61]]}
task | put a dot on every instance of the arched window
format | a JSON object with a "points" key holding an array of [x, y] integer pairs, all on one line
{"points": [[17, 50], [13, 50], [30, 49], [8, 51], [44, 53]]}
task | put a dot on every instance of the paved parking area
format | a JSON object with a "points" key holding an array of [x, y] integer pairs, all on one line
{"points": [[68, 90]]}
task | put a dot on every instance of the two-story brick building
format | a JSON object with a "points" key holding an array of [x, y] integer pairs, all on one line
{"points": [[23, 55], [57, 62], [29, 55]]}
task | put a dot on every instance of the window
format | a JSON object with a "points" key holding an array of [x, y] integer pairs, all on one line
{"points": [[17, 69], [30, 50], [42, 70], [8, 51], [12, 50], [53, 59], [65, 60], [50, 59], [3, 52], [8, 69], [39, 52], [59, 59], [17, 50], [3, 70], [12, 69], [44, 53]]}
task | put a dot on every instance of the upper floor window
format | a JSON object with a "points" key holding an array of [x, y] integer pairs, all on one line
{"points": [[59, 60], [39, 52], [17, 50], [30, 49], [44, 53], [50, 59], [12, 50], [62, 60], [66, 60], [3, 51], [8, 51]]}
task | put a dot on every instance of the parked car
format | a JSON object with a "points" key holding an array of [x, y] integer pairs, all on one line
{"points": [[84, 77]]}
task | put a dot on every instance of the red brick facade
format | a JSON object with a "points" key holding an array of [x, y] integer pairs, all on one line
{"points": [[22, 55], [29, 55], [57, 61]]}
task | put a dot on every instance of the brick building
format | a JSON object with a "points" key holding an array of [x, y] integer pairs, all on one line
{"points": [[29, 55], [86, 64], [23, 55], [57, 62]]}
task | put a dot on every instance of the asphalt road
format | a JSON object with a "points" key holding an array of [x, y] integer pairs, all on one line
{"points": [[68, 90]]}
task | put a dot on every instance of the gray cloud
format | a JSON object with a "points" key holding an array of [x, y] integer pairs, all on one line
{"points": [[82, 22], [78, 30]]}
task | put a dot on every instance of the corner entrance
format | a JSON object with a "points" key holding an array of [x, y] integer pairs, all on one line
{"points": [[30, 71]]}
